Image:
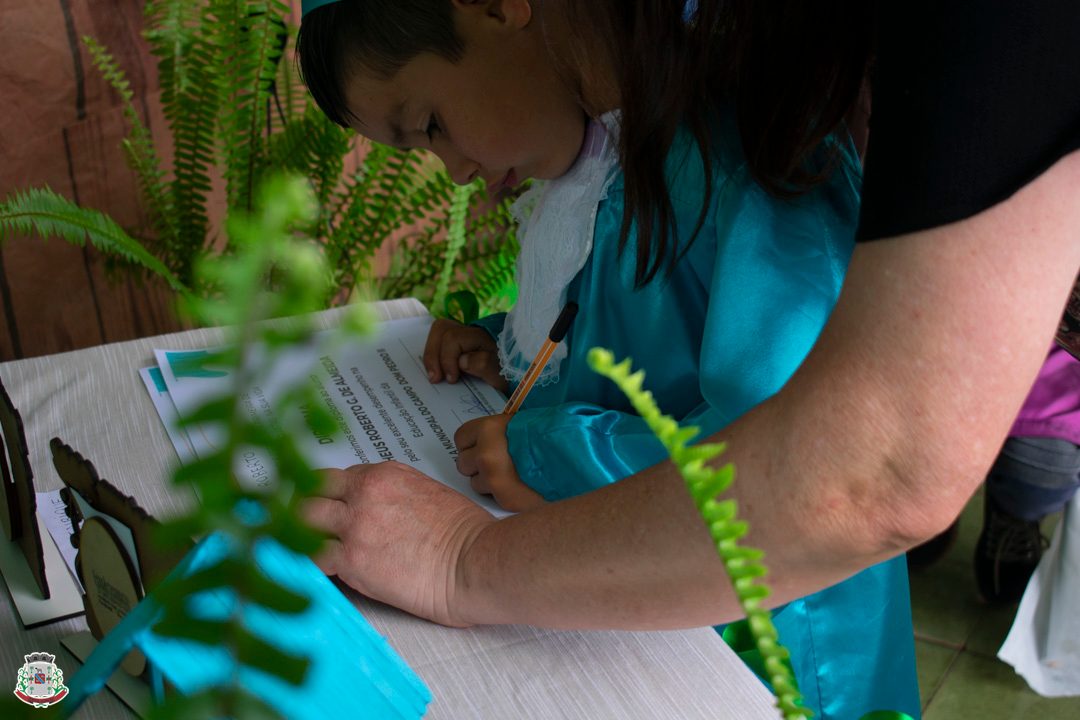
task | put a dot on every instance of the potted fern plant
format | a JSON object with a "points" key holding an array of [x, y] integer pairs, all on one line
{"points": [[236, 110]]}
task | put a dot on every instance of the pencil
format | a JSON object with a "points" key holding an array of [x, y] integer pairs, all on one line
{"points": [[558, 332]]}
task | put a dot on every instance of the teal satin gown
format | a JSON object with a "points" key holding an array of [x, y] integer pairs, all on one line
{"points": [[721, 334]]}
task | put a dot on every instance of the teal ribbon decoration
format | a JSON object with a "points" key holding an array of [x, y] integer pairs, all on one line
{"points": [[886, 715], [331, 634], [308, 5]]}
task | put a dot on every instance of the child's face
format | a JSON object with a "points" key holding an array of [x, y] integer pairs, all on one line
{"points": [[500, 113]]}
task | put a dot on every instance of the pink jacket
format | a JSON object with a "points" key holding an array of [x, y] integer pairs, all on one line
{"points": [[1052, 408]]}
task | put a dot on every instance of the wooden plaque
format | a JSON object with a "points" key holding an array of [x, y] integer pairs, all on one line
{"points": [[19, 497], [111, 582], [9, 517], [80, 475]]}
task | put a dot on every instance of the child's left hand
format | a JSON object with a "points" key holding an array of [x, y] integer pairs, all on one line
{"points": [[483, 455]]}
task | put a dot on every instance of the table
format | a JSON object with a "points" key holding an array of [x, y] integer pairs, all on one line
{"points": [[94, 400]]}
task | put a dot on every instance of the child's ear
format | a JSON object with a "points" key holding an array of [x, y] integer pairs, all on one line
{"points": [[514, 14]]}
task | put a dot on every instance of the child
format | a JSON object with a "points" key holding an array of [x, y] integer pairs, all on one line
{"points": [[1036, 473], [724, 318]]}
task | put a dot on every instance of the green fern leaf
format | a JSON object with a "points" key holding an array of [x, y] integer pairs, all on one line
{"points": [[43, 213], [138, 146], [455, 240]]}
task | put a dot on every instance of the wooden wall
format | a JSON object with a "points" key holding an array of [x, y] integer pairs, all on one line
{"points": [[61, 126]]}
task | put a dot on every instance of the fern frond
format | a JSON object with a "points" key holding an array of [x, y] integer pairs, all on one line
{"points": [[743, 565], [488, 262], [291, 95], [489, 274], [483, 266], [313, 147], [41, 212], [138, 146], [394, 192], [350, 245], [415, 266], [250, 40], [171, 30], [193, 119], [455, 240]]}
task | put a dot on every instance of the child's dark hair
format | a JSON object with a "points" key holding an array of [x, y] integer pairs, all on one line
{"points": [[379, 37], [791, 69]]}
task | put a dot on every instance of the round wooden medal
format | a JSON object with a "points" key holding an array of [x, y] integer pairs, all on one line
{"points": [[111, 582]]}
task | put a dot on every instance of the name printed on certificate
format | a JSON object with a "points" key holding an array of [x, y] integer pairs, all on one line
{"points": [[375, 388]]}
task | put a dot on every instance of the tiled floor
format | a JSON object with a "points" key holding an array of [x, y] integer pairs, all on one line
{"points": [[957, 639]]}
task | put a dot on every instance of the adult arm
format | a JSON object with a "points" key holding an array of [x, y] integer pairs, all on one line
{"points": [[874, 445]]}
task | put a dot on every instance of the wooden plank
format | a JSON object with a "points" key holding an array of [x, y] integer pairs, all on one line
{"points": [[67, 135]]}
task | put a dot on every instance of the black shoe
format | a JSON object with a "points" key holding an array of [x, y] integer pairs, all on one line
{"points": [[1007, 553], [933, 549]]}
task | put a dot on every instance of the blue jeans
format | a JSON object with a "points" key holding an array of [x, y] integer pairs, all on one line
{"points": [[1034, 476]]}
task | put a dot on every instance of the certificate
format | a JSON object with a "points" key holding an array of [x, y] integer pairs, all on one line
{"points": [[375, 388]]}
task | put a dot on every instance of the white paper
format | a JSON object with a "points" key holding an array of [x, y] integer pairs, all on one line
{"points": [[1043, 645], [51, 511], [166, 410], [377, 389]]}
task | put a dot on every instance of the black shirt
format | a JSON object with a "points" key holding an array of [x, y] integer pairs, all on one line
{"points": [[972, 99]]}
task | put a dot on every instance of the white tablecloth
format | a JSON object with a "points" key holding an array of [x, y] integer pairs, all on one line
{"points": [[94, 400]]}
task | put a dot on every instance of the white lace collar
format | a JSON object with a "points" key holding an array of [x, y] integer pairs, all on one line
{"points": [[556, 221]]}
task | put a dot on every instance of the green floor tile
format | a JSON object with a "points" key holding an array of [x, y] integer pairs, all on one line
{"points": [[988, 635], [978, 688], [932, 661], [944, 603], [971, 522], [958, 636], [944, 606]]}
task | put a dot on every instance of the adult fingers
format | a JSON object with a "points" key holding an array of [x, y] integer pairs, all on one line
{"points": [[323, 514], [337, 483], [328, 559]]}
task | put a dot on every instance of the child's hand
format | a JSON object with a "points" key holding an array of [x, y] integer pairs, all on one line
{"points": [[483, 456], [453, 348]]}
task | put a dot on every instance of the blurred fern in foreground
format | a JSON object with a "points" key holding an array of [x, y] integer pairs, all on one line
{"points": [[268, 246]]}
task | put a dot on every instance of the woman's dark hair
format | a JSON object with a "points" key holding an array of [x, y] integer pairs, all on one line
{"points": [[790, 69], [380, 37]]}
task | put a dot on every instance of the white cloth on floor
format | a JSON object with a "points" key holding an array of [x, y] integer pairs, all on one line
{"points": [[1043, 645]]}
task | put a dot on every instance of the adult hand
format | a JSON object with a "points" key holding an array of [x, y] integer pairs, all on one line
{"points": [[397, 536], [483, 456], [453, 348]]}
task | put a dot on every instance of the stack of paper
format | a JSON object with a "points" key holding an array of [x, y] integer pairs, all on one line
{"points": [[376, 388]]}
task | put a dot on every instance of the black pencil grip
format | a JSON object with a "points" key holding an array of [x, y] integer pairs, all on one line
{"points": [[558, 330]]}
